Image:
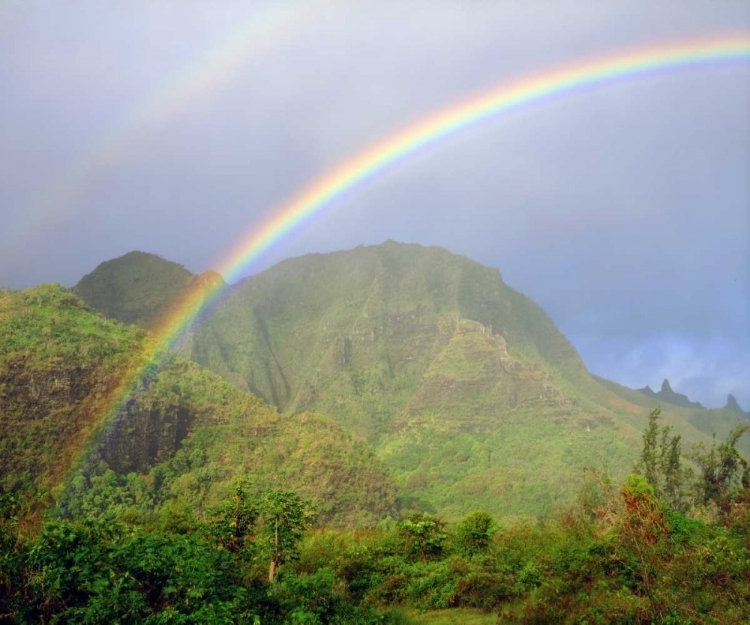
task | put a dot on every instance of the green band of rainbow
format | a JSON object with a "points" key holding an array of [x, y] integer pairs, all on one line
{"points": [[400, 145]]}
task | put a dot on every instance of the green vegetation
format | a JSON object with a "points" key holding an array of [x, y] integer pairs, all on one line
{"points": [[464, 388], [58, 365], [180, 440], [619, 554], [188, 499]]}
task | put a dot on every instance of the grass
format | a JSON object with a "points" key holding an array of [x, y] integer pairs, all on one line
{"points": [[460, 616]]}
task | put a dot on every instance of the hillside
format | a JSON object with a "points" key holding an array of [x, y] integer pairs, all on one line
{"points": [[471, 396], [139, 288], [59, 365], [352, 310]]}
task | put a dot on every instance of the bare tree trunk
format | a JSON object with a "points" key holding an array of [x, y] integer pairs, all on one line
{"points": [[272, 571], [272, 568]]}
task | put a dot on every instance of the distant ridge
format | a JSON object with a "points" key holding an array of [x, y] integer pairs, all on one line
{"points": [[666, 394]]}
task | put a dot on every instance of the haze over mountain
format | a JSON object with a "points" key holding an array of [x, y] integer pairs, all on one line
{"points": [[463, 386], [139, 287]]}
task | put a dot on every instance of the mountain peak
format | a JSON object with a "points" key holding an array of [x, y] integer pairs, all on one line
{"points": [[666, 394], [734, 406], [136, 287]]}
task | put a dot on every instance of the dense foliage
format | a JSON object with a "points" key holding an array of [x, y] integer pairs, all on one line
{"points": [[620, 554]]}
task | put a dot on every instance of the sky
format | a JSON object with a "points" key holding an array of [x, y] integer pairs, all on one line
{"points": [[178, 127]]}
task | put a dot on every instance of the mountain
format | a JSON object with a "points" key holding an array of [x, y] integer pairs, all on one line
{"points": [[465, 387], [708, 421], [666, 394], [140, 288], [352, 310], [188, 434], [733, 406]]}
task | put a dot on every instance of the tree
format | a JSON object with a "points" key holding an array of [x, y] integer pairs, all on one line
{"points": [[641, 539], [475, 531], [661, 464], [233, 522], [423, 535], [284, 517], [722, 471]]}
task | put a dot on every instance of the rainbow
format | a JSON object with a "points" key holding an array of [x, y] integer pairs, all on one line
{"points": [[366, 165], [441, 124]]}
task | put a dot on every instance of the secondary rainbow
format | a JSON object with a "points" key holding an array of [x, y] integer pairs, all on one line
{"points": [[323, 192], [259, 31]]}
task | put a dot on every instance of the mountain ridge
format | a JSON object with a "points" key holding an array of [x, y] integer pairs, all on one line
{"points": [[666, 394], [419, 351], [465, 389]]}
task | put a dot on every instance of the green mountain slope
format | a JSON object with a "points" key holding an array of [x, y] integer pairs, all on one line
{"points": [[465, 388], [390, 309], [140, 288], [59, 365], [470, 394]]}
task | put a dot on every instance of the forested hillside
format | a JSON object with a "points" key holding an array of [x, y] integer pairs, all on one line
{"points": [[467, 390], [187, 433], [140, 288]]}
